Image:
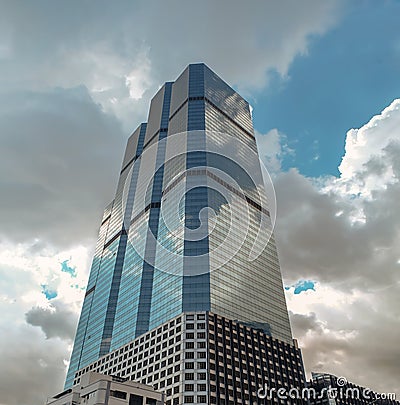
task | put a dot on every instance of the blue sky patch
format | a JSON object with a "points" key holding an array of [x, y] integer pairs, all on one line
{"points": [[49, 293], [68, 269], [78, 287], [346, 76], [302, 285]]}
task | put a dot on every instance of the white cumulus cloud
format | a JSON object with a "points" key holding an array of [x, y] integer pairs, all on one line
{"points": [[349, 324]]}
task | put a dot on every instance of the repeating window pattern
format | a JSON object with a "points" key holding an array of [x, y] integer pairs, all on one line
{"points": [[243, 359], [93, 337], [134, 286], [172, 358], [202, 357]]}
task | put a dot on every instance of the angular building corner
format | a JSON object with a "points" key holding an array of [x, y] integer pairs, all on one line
{"points": [[185, 290]]}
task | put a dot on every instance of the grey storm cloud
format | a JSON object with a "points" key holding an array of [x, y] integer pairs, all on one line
{"points": [[118, 49], [368, 354], [59, 162], [232, 26], [56, 321], [301, 324], [319, 240], [316, 235], [31, 369]]}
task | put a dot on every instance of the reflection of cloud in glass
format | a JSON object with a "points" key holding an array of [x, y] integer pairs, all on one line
{"points": [[225, 198]]}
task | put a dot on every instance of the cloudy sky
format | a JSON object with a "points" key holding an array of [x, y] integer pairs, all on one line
{"points": [[323, 78]]}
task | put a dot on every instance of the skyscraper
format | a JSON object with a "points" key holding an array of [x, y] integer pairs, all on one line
{"points": [[189, 230]]}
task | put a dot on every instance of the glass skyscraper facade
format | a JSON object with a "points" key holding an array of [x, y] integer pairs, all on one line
{"points": [[189, 228]]}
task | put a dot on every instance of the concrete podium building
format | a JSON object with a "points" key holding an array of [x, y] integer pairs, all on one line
{"points": [[100, 389], [185, 290]]}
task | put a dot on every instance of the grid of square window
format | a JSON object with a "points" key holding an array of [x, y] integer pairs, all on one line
{"points": [[172, 358], [204, 358], [243, 360], [195, 388]]}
